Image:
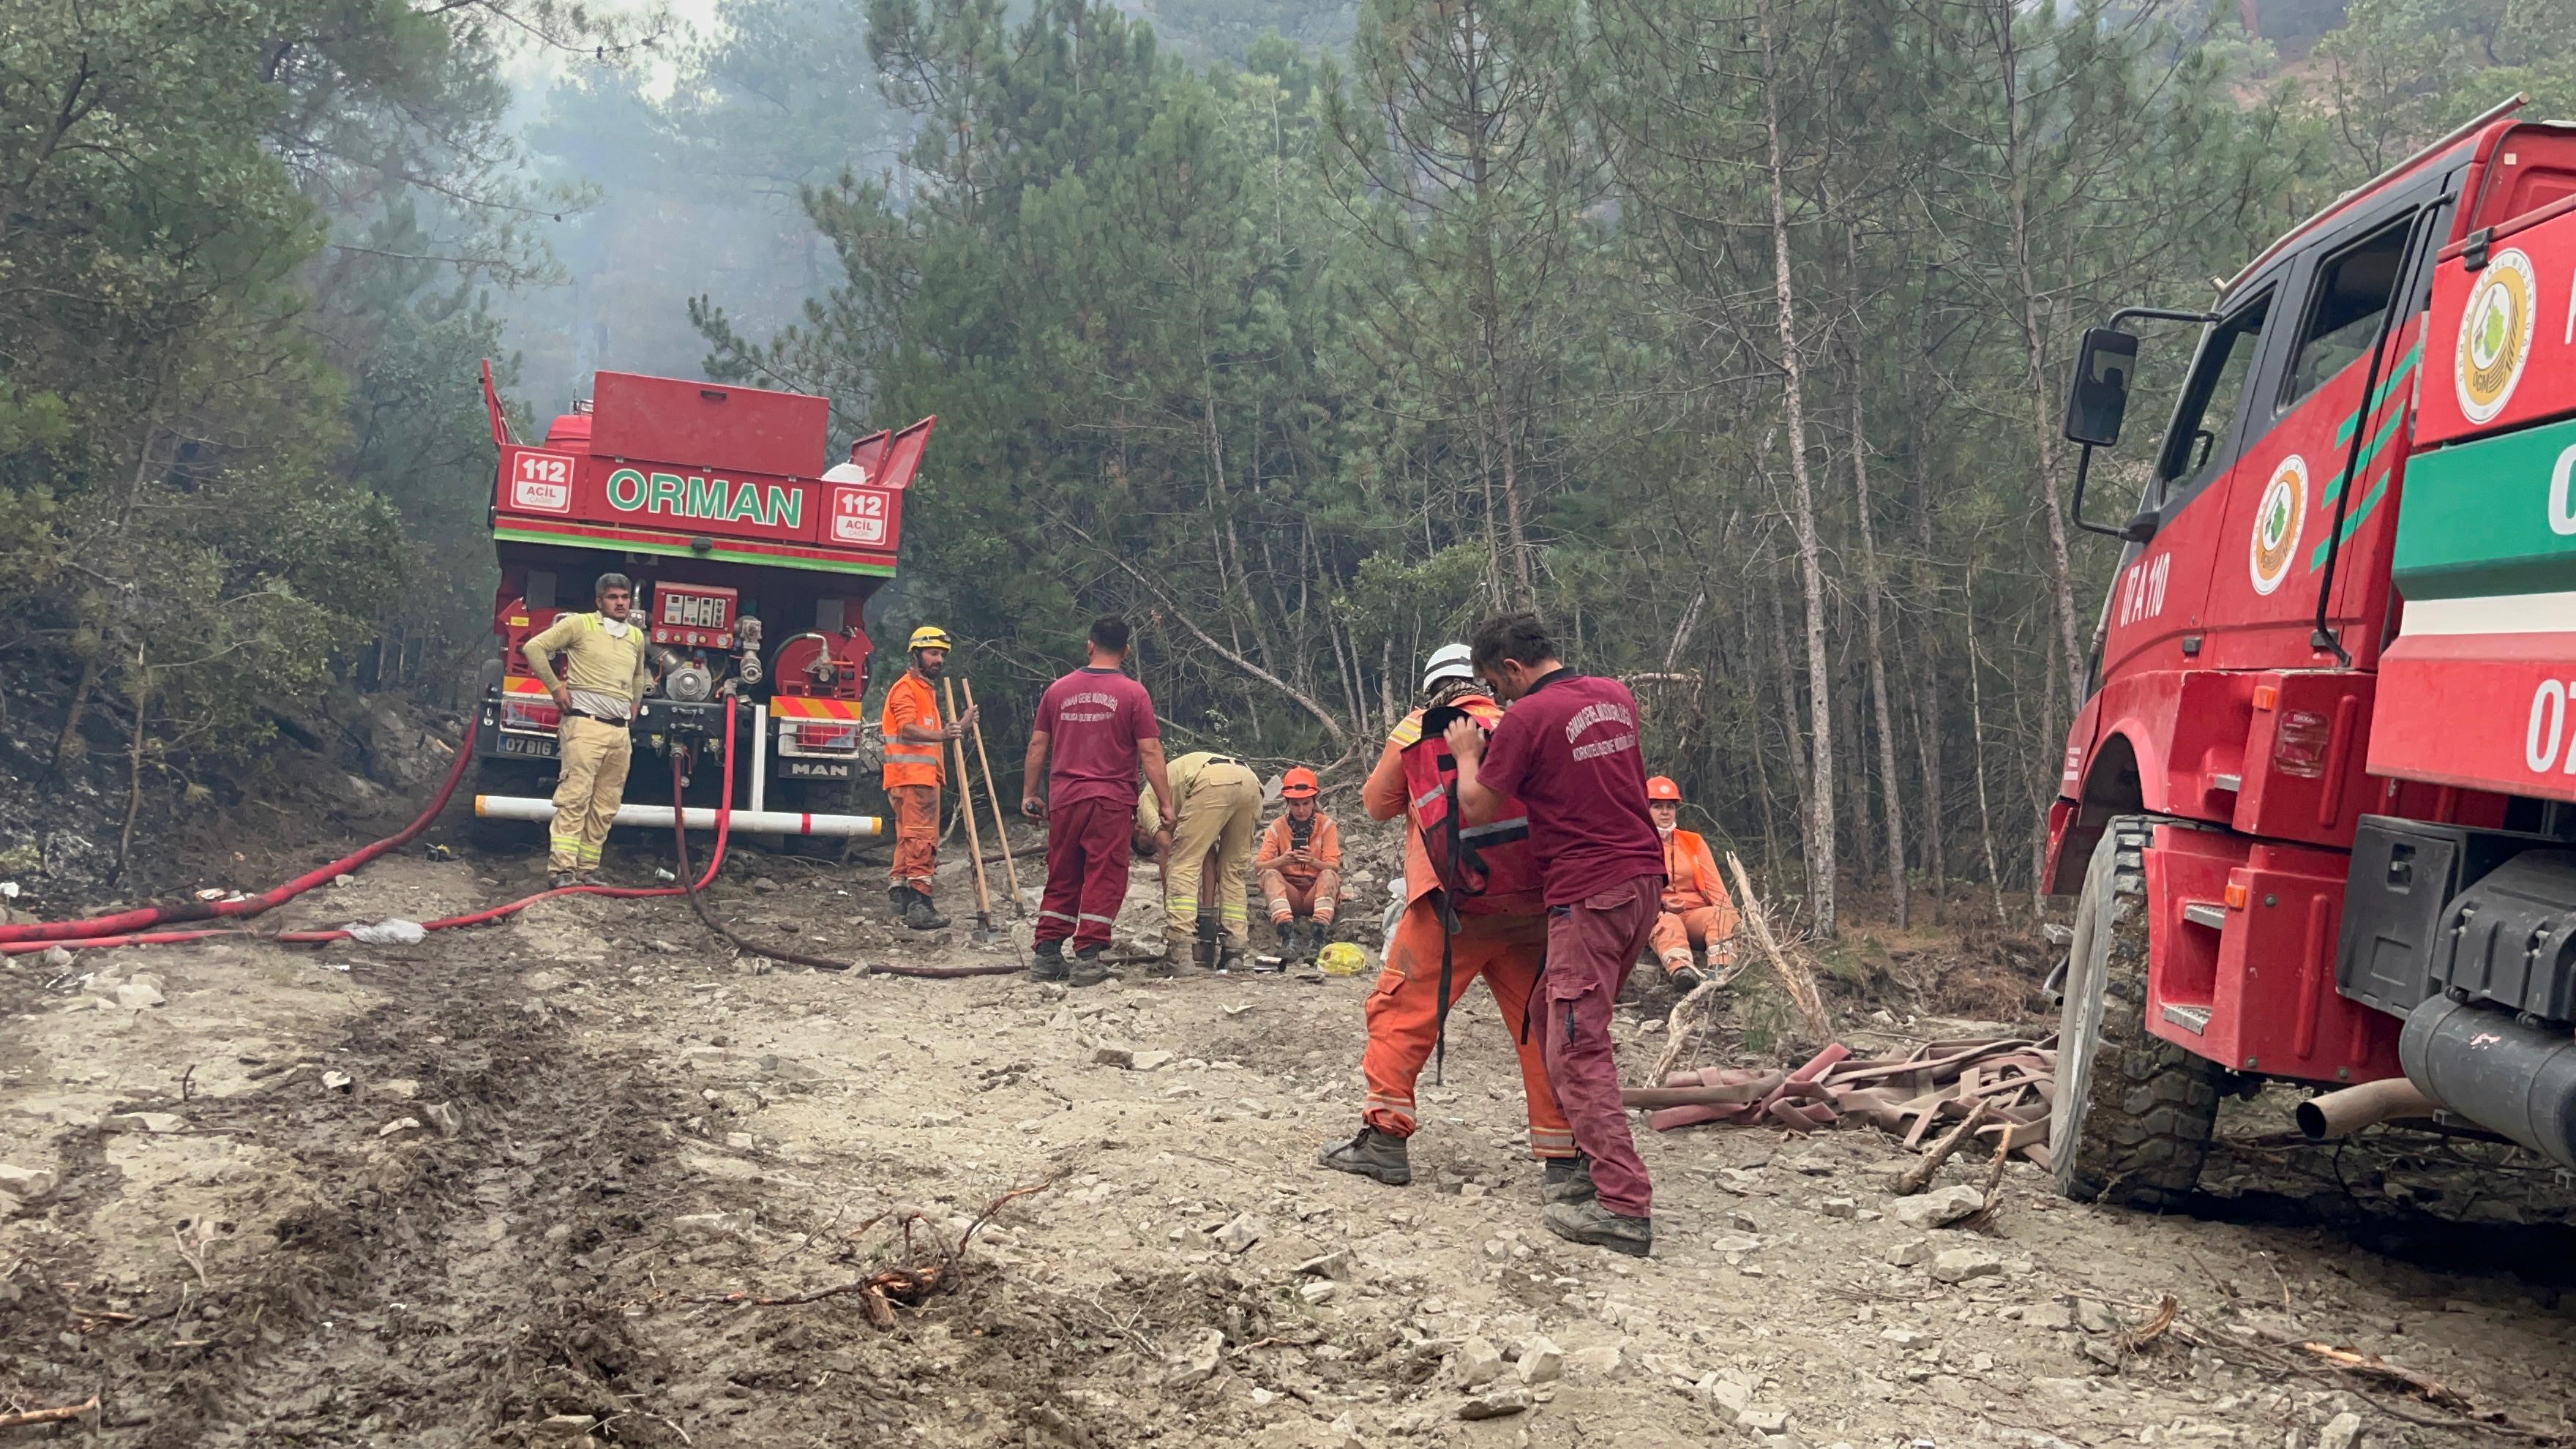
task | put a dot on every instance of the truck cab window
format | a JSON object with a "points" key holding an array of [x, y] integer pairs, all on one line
{"points": [[2209, 402], [2352, 291]]}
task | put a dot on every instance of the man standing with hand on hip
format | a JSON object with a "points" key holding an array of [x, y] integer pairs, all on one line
{"points": [[603, 681], [1567, 748], [1098, 726]]}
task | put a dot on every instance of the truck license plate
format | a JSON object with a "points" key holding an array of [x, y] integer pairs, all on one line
{"points": [[536, 745], [817, 769]]}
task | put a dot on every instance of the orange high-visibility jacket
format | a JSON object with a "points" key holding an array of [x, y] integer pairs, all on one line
{"points": [[1325, 844], [1691, 880], [912, 702]]}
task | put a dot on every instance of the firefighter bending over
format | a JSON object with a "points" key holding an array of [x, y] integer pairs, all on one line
{"points": [[1301, 867], [1206, 836], [603, 681], [916, 742], [1697, 910]]}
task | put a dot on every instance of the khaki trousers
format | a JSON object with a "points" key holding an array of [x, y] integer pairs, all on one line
{"points": [[1222, 814], [594, 755]]}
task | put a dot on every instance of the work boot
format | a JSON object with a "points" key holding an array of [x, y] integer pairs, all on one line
{"points": [[1173, 957], [1046, 962], [899, 898], [921, 915], [1229, 961], [1686, 976], [563, 880], [1372, 1154], [1317, 932], [1590, 1223], [1568, 1179], [1087, 970], [1292, 937]]}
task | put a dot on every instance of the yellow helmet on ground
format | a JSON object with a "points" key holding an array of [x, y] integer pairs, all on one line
{"points": [[929, 636]]}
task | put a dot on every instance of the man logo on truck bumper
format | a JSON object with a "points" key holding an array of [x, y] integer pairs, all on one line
{"points": [[2278, 521], [2495, 335]]}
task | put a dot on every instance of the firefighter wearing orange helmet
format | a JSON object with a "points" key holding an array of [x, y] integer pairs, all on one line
{"points": [[1698, 913], [1301, 866]]}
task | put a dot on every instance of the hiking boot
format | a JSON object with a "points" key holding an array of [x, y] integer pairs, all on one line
{"points": [[920, 914], [1229, 961], [1317, 933], [1371, 1154], [1568, 1179], [899, 899], [1086, 969], [1291, 935], [1169, 963], [1686, 976], [1589, 1223], [563, 880], [1046, 962]]}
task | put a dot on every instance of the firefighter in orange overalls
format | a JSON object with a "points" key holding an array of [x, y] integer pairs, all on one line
{"points": [[916, 741], [1506, 947], [1697, 910]]}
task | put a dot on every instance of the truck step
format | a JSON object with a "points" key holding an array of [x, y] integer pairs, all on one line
{"points": [[2193, 1019], [2232, 784], [2206, 913]]}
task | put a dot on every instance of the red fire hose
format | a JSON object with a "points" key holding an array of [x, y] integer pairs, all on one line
{"points": [[109, 933]]}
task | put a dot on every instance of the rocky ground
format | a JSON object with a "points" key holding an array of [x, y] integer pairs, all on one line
{"points": [[511, 1185]]}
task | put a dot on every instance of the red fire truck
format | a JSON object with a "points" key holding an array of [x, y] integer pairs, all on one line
{"points": [[751, 560], [2318, 806]]}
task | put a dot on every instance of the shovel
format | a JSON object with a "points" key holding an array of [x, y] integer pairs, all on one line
{"points": [[993, 797], [984, 928]]}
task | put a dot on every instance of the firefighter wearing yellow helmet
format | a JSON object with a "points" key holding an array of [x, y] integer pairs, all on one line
{"points": [[916, 741]]}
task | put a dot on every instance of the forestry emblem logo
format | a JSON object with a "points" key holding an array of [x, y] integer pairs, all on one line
{"points": [[2278, 521], [2495, 335]]}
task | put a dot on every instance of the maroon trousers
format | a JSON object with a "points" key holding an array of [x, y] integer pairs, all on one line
{"points": [[1089, 843], [1590, 947]]}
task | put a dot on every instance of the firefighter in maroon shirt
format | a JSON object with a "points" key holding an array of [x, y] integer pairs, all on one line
{"points": [[1098, 725], [1567, 747]]}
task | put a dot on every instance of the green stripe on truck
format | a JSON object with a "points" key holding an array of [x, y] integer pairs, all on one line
{"points": [[2490, 517]]}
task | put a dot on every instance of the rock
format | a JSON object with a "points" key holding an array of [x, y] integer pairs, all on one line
{"points": [[1542, 1362], [2340, 1432], [740, 1141], [403, 1087], [25, 1183], [1479, 1362], [1147, 1061], [337, 1081], [561, 1426], [1596, 1363], [1500, 1404], [153, 1122], [735, 1224], [2094, 1316], [1335, 1265], [764, 885], [1938, 1208], [54, 958], [445, 1117], [1111, 1056], [1319, 1292], [1763, 1421], [1734, 1243], [1838, 1207], [136, 995], [2054, 1316], [1910, 1252], [1901, 1337], [401, 1127], [1743, 1222], [1813, 1164], [1198, 1363], [1726, 1394], [1959, 1265], [1240, 1232]]}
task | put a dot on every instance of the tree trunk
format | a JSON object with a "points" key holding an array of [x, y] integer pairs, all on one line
{"points": [[1820, 841], [1891, 798], [1977, 743]]}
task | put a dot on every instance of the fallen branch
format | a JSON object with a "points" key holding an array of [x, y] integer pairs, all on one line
{"points": [[63, 1415], [907, 1285], [2454, 1414], [1687, 1016], [1803, 991], [1916, 1178], [2373, 1366], [2154, 1328]]}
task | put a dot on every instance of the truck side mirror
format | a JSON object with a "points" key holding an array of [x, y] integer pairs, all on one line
{"points": [[2098, 398]]}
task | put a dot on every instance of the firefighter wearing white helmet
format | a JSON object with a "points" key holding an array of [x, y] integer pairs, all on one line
{"points": [[916, 740], [1449, 662]]}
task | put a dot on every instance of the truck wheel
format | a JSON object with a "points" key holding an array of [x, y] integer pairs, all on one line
{"points": [[2133, 1112]]}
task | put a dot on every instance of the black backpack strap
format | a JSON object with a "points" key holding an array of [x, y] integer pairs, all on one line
{"points": [[1451, 848]]}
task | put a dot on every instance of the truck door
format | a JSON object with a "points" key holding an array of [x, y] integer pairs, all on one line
{"points": [[2285, 498], [2157, 595]]}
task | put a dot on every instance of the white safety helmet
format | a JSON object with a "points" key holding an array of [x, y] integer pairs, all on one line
{"points": [[1449, 661]]}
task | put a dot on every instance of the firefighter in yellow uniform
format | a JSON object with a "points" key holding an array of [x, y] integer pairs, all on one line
{"points": [[602, 683], [1220, 809], [916, 742]]}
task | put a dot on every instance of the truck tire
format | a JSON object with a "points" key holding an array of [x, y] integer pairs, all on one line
{"points": [[2133, 1112]]}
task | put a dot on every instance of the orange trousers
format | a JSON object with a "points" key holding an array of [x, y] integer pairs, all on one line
{"points": [[1291, 898], [1676, 932], [916, 835], [1404, 1013]]}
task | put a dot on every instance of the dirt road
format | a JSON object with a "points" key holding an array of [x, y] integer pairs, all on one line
{"points": [[486, 1190]]}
